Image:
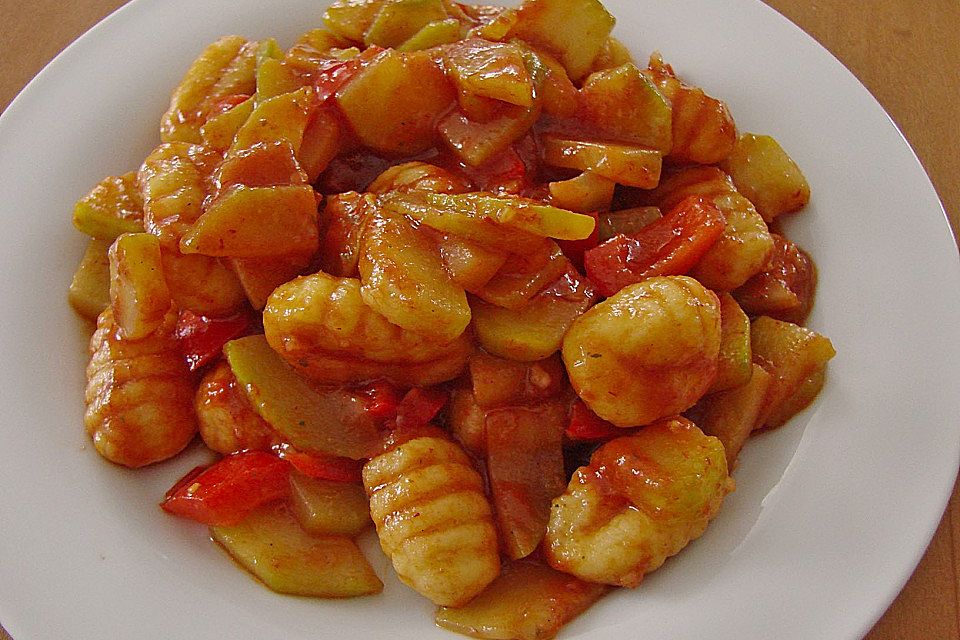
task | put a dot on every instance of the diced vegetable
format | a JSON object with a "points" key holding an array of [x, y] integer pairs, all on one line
{"points": [[350, 19], [219, 131], [229, 490], [394, 102], [138, 291], [734, 361], [263, 165], [326, 507], [490, 70], [626, 105], [469, 264], [670, 245], [399, 20], [113, 207], [496, 382], [331, 422], [792, 355], [432, 34], [271, 545], [731, 415], [576, 30], [282, 118], [90, 288], [529, 601], [257, 222], [535, 330], [767, 176], [629, 165], [524, 276], [321, 143], [585, 193], [525, 470], [420, 406]]}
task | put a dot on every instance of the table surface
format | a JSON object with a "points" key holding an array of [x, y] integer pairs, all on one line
{"points": [[897, 51]]}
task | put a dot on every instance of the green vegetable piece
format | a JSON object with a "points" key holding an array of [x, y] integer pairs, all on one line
{"points": [[400, 20], [625, 105], [575, 30], [350, 19], [270, 544], [333, 422], [90, 289], [733, 364], [433, 34], [326, 507], [112, 208]]}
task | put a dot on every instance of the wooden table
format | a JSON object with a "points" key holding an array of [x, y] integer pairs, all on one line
{"points": [[909, 58]]}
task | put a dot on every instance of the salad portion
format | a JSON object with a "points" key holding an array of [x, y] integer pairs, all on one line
{"points": [[468, 276]]}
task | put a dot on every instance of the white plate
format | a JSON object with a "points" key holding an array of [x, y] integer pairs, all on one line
{"points": [[832, 513]]}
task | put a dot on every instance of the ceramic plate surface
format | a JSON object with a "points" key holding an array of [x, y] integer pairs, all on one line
{"points": [[831, 514]]}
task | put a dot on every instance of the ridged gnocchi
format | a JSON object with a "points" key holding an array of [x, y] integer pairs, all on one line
{"points": [[139, 395], [433, 519], [227, 421], [641, 500]]}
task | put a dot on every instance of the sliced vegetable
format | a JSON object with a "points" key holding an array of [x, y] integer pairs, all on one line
{"points": [[393, 103], [138, 291], [767, 176], [325, 507], [399, 20], [629, 165], [525, 470], [529, 601], [623, 104], [670, 245], [90, 288], [271, 545], [257, 222], [113, 207], [732, 415], [734, 360], [785, 288], [229, 490], [333, 422], [576, 30]]}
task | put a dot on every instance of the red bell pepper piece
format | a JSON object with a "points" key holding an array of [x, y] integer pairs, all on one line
{"points": [[226, 492], [201, 338], [382, 399], [320, 466], [420, 405], [225, 103], [586, 425], [671, 245]]}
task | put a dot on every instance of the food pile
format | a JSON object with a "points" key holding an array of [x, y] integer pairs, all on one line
{"points": [[468, 274]]}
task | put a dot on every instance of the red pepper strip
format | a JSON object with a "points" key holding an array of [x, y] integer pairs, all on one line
{"points": [[334, 74], [586, 425], [420, 406], [201, 338], [575, 249], [226, 492], [224, 104], [382, 399], [320, 466], [671, 245]]}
